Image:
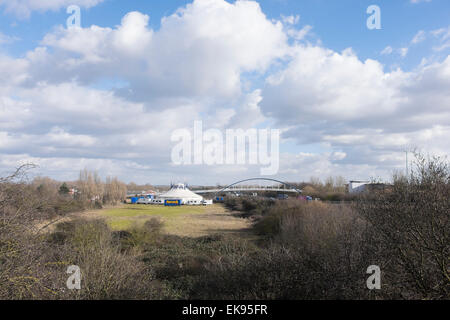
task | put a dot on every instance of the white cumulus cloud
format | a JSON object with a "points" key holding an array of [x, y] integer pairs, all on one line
{"points": [[24, 8]]}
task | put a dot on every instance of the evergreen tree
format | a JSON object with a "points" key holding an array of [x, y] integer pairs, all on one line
{"points": [[64, 189]]}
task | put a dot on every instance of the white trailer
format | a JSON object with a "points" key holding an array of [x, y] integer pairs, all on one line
{"points": [[207, 202]]}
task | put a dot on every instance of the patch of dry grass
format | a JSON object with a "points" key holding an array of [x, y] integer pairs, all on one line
{"points": [[179, 221], [215, 219]]}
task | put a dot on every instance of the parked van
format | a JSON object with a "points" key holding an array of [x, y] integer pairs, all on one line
{"points": [[144, 201]]}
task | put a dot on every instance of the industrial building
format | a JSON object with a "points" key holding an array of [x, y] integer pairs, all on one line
{"points": [[355, 187]]}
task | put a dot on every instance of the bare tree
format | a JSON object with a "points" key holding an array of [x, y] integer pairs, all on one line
{"points": [[114, 191]]}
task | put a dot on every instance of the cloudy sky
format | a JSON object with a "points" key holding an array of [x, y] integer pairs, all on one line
{"points": [[108, 96]]}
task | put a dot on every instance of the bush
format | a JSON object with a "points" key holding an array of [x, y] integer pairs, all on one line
{"points": [[232, 203], [270, 215], [141, 236], [248, 205], [412, 231], [316, 251], [107, 272], [269, 225]]}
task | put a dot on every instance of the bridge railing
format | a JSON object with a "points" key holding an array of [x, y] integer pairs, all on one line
{"points": [[237, 189]]}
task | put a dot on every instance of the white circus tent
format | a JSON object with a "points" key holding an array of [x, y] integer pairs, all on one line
{"points": [[181, 192]]}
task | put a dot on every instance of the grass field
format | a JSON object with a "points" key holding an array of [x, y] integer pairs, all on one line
{"points": [[190, 221], [123, 218]]}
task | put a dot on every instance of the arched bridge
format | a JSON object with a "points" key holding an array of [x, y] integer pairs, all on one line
{"points": [[234, 188]]}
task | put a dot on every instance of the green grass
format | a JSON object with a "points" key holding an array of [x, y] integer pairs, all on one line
{"points": [[125, 217], [134, 210]]}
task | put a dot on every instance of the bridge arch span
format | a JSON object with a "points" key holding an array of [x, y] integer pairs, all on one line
{"points": [[259, 179]]}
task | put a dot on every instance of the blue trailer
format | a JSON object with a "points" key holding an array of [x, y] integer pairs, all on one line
{"points": [[134, 200]]}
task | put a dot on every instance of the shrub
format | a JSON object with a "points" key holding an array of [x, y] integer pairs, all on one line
{"points": [[248, 205], [107, 272], [269, 225], [232, 203], [142, 235], [412, 231], [316, 251]]}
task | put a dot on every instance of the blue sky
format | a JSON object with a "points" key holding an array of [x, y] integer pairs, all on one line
{"points": [[339, 24], [348, 100]]}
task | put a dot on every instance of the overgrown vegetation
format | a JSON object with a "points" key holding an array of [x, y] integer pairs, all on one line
{"points": [[88, 192], [411, 231], [332, 189], [307, 250]]}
